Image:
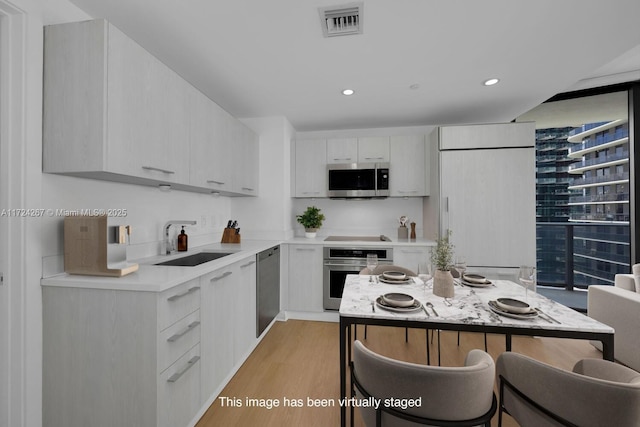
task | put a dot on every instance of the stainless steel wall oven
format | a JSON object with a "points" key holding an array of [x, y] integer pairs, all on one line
{"points": [[341, 261]]}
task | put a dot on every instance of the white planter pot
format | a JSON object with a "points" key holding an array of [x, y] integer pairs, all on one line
{"points": [[310, 233]]}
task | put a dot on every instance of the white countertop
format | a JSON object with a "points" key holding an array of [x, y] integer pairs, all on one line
{"points": [[469, 306], [157, 278], [395, 242]]}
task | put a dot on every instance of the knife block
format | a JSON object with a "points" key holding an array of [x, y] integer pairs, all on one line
{"points": [[229, 236]]}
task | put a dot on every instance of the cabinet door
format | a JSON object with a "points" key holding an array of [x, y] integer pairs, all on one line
{"points": [[148, 125], [488, 201], [217, 314], [408, 169], [245, 307], [410, 256], [373, 149], [246, 160], [342, 150], [209, 145], [179, 390], [305, 278], [311, 168]]}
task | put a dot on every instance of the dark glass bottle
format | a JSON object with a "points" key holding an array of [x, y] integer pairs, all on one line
{"points": [[182, 241]]}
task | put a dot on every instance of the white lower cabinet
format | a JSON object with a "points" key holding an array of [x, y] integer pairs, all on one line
{"points": [[410, 256], [228, 321], [179, 390], [121, 358], [305, 278]]}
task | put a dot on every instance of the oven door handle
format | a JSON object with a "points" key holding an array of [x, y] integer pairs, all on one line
{"points": [[345, 265]]}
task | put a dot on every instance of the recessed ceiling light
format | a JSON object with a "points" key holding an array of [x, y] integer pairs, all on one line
{"points": [[348, 92], [414, 86], [491, 82]]}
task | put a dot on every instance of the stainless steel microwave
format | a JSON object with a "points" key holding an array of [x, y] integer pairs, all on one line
{"points": [[358, 180]]}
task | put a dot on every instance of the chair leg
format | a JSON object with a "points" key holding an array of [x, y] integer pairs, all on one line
{"points": [[406, 334], [365, 332], [458, 338], [439, 347], [428, 350]]}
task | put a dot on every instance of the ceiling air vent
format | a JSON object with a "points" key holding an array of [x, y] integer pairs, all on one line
{"points": [[341, 20]]}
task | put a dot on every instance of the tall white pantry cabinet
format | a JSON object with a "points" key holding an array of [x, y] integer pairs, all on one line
{"points": [[485, 177]]}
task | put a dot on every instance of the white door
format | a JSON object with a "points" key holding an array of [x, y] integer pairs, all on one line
{"points": [[5, 343]]}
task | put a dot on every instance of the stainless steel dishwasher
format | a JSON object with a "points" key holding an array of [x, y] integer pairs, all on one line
{"points": [[267, 288]]}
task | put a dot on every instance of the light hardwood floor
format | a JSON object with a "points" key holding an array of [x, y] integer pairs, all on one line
{"points": [[300, 360]]}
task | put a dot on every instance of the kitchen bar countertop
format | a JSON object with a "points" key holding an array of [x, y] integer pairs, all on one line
{"points": [[157, 278]]}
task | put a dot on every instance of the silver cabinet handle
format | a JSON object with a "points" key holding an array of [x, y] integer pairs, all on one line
{"points": [[222, 276], [310, 192], [248, 264], [407, 191], [248, 189], [345, 158], [187, 292], [152, 168], [189, 327], [175, 377], [306, 249], [213, 181], [374, 158]]}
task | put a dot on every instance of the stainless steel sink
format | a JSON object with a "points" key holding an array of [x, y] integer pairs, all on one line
{"points": [[195, 259]]}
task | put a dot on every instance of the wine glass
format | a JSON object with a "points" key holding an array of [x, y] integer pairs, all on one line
{"points": [[372, 263], [527, 278], [461, 265], [425, 272]]}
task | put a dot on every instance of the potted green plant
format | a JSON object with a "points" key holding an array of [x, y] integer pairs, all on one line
{"points": [[442, 259], [311, 220]]}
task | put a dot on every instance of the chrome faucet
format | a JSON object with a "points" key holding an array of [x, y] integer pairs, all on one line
{"points": [[168, 245]]}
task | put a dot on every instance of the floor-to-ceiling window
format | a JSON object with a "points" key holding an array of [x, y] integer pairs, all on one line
{"points": [[584, 188]]}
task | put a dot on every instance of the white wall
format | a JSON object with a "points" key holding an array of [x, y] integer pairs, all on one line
{"points": [[147, 208]]}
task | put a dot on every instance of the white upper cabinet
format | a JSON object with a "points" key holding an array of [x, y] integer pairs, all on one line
{"points": [[407, 156], [113, 111], [310, 168], [373, 149], [209, 137], [408, 174], [244, 158], [110, 106], [342, 150]]}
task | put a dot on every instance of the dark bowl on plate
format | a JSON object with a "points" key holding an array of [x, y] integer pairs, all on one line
{"points": [[513, 305], [474, 278], [394, 275], [398, 300]]}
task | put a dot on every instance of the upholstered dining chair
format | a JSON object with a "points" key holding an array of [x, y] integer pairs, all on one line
{"points": [[448, 396], [595, 393]]}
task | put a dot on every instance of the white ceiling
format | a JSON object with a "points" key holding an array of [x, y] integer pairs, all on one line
{"points": [[268, 57]]}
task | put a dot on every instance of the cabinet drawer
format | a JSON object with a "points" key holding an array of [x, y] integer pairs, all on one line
{"points": [[177, 302], [179, 390], [177, 339]]}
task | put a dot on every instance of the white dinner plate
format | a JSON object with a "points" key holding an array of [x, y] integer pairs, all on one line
{"points": [[496, 309], [417, 305]]}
